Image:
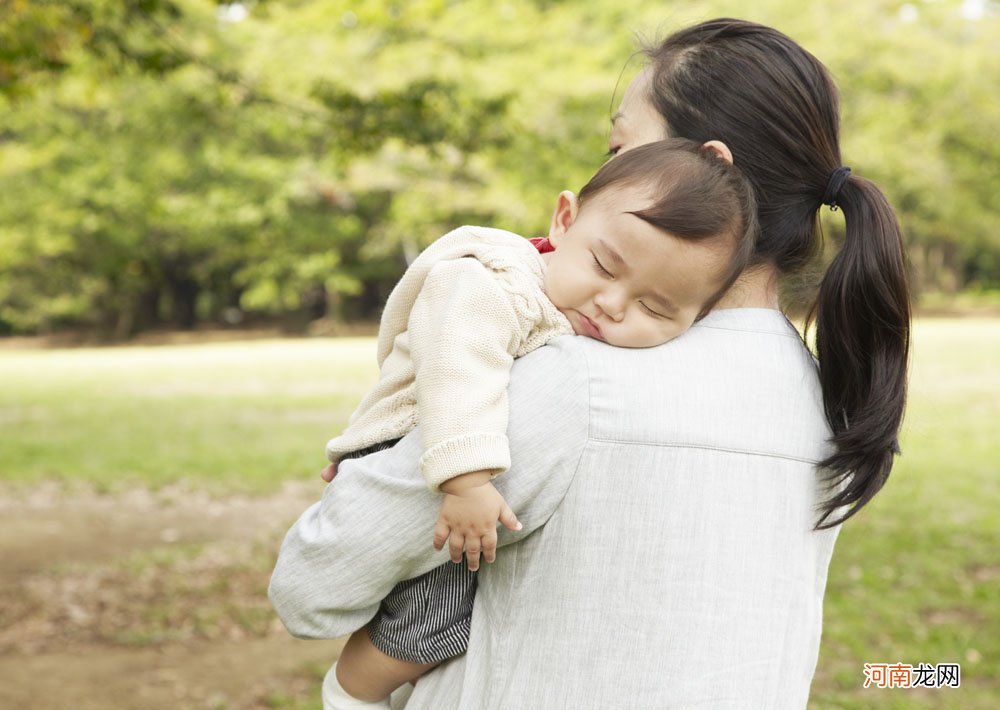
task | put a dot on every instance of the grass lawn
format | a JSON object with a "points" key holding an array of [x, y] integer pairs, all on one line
{"points": [[915, 577], [228, 416]]}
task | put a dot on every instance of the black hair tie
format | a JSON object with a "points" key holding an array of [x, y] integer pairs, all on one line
{"points": [[837, 180]]}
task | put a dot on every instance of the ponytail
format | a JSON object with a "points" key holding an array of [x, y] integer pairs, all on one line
{"points": [[862, 318]]}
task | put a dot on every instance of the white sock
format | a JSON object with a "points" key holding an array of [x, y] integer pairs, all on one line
{"points": [[336, 698]]}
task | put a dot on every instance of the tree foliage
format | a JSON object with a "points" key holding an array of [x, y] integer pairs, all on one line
{"points": [[183, 161]]}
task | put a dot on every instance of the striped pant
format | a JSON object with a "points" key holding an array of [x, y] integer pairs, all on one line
{"points": [[425, 619]]}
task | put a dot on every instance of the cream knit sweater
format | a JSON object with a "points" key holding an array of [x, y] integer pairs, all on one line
{"points": [[467, 306]]}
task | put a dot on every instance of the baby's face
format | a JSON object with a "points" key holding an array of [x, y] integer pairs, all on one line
{"points": [[619, 279]]}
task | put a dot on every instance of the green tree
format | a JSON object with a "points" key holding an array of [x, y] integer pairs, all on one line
{"points": [[168, 162]]}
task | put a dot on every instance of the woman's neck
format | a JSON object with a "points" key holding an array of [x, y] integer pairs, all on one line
{"points": [[757, 287]]}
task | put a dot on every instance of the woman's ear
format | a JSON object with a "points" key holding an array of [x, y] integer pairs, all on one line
{"points": [[721, 149], [563, 216]]}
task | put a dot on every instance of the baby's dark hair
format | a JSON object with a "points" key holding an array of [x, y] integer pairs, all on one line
{"points": [[697, 196]]}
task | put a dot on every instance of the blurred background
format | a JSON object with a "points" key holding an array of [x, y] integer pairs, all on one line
{"points": [[190, 188]]}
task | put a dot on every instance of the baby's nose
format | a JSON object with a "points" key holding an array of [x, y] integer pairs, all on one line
{"points": [[613, 307]]}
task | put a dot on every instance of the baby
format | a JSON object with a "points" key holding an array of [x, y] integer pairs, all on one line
{"points": [[646, 249]]}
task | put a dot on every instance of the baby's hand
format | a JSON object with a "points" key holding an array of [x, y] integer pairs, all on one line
{"points": [[329, 472], [468, 519]]}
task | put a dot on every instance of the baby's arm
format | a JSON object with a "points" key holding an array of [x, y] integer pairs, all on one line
{"points": [[463, 333]]}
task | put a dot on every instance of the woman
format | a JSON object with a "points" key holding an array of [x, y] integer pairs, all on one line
{"points": [[676, 530], [775, 108]]}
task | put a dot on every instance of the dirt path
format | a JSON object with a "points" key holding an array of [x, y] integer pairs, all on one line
{"points": [[148, 600]]}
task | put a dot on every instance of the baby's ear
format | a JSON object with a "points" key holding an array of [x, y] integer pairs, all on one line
{"points": [[721, 150], [563, 216]]}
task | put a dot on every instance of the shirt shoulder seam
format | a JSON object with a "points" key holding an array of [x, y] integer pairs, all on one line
{"points": [[707, 447], [749, 330]]}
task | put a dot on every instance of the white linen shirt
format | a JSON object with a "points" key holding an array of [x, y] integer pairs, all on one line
{"points": [[468, 305], [667, 558]]}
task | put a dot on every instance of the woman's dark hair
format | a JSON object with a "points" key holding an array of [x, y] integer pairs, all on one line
{"points": [[776, 108], [697, 196]]}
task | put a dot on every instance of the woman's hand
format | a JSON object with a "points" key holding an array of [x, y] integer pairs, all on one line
{"points": [[468, 519]]}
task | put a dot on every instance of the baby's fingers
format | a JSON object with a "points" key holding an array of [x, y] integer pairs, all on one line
{"points": [[472, 550], [508, 518], [490, 546], [455, 544], [441, 533]]}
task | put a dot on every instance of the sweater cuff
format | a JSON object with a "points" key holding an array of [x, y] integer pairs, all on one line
{"points": [[465, 454]]}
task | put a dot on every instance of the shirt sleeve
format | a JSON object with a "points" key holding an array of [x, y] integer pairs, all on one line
{"points": [[375, 523], [463, 333]]}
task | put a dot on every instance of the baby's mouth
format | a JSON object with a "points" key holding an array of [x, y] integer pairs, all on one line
{"points": [[590, 328]]}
